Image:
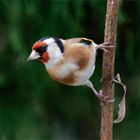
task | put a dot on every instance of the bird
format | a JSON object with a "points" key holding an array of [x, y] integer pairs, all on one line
{"points": [[68, 61]]}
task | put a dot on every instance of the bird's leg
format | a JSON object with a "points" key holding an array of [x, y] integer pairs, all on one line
{"points": [[104, 46], [99, 94]]}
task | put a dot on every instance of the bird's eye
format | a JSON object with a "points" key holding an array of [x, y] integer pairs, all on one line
{"points": [[42, 49]]}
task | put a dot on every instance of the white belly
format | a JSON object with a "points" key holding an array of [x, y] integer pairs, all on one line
{"points": [[83, 76]]}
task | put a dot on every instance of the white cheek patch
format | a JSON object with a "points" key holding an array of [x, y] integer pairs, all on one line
{"points": [[55, 55], [54, 51]]}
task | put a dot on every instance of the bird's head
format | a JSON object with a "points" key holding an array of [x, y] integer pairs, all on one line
{"points": [[46, 49]]}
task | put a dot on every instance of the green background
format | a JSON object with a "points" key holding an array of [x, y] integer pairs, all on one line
{"points": [[34, 107]]}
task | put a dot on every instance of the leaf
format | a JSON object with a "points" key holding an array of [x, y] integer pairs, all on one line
{"points": [[121, 112], [122, 108]]}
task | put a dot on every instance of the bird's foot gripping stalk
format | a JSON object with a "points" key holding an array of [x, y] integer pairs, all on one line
{"points": [[104, 46], [103, 98]]}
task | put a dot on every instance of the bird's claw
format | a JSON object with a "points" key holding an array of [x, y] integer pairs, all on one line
{"points": [[104, 46], [103, 98]]}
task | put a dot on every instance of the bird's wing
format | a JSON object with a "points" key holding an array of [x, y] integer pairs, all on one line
{"points": [[73, 40], [79, 52]]}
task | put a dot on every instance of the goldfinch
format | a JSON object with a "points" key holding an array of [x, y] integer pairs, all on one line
{"points": [[70, 62]]}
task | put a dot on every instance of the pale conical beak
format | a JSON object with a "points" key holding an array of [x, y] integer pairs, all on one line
{"points": [[33, 56]]}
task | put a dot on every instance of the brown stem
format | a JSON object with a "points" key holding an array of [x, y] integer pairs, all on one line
{"points": [[108, 69]]}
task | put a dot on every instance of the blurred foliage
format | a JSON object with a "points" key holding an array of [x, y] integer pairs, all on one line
{"points": [[32, 106]]}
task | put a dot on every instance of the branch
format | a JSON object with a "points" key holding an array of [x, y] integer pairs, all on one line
{"points": [[108, 69]]}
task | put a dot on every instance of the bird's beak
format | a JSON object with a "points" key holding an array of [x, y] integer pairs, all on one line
{"points": [[33, 56]]}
